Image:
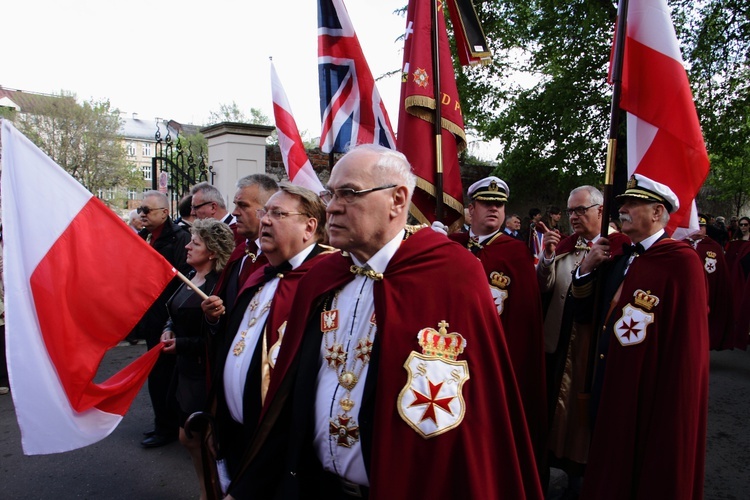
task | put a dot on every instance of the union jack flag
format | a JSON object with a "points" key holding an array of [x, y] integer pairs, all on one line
{"points": [[351, 110]]}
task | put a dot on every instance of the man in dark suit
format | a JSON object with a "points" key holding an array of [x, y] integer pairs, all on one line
{"points": [[169, 240]]}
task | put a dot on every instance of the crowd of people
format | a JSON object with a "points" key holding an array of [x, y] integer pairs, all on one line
{"points": [[343, 352]]}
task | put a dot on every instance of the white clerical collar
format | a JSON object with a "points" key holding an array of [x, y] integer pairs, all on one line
{"points": [[298, 259], [382, 257], [257, 245], [651, 239]]}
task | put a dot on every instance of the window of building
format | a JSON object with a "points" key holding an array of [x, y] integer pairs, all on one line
{"points": [[146, 172], [131, 149], [146, 149], [133, 194]]}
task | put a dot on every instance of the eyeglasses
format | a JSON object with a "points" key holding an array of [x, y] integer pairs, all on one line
{"points": [[275, 213], [349, 194], [744, 224], [196, 207], [579, 211], [146, 210]]}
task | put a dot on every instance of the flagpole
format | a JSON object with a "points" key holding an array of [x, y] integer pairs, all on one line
{"points": [[438, 115], [614, 117], [192, 286]]}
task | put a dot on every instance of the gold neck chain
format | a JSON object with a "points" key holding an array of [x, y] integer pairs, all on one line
{"points": [[344, 427], [239, 347]]}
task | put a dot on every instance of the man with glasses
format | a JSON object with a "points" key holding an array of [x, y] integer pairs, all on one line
{"points": [[169, 240], [292, 224], [649, 395], [253, 191], [509, 273], [566, 342], [400, 364], [208, 203]]}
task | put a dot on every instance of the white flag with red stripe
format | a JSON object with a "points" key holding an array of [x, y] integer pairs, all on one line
{"points": [[665, 142], [77, 280], [297, 164]]}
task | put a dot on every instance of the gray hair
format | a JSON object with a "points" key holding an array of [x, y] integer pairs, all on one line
{"points": [[595, 196], [391, 166], [210, 193], [265, 183], [163, 201]]}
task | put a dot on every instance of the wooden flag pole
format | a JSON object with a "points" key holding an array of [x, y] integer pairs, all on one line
{"points": [[614, 116], [438, 115], [192, 286]]}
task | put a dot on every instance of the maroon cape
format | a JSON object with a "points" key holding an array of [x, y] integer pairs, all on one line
{"points": [[488, 455], [720, 304], [522, 321], [650, 432]]}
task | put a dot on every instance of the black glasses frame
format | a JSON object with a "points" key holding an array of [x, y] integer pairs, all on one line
{"points": [[580, 210], [349, 194]]}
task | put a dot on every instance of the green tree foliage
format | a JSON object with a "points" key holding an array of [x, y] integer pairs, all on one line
{"points": [[717, 33], [545, 96], [233, 113], [81, 138], [546, 99]]}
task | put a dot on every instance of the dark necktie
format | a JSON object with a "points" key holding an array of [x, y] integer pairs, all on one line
{"points": [[270, 272], [473, 245], [636, 249]]}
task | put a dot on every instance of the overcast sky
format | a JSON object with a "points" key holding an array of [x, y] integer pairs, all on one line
{"points": [[181, 60]]}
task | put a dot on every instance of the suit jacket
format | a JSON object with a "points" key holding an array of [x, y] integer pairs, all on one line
{"points": [[171, 245]]}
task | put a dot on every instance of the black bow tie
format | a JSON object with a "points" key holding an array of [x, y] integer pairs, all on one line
{"points": [[636, 249], [270, 272]]}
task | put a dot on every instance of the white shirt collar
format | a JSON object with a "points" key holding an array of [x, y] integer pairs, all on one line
{"points": [[382, 257], [298, 259], [652, 239]]}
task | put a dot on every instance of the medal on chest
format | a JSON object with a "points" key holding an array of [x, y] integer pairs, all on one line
{"points": [[344, 428], [239, 347]]}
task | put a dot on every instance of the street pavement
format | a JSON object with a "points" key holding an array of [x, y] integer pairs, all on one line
{"points": [[119, 468]]}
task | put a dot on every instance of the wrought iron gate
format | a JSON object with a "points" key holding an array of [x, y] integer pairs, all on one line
{"points": [[173, 171]]}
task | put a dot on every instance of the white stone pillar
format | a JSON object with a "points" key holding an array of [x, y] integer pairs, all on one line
{"points": [[235, 150]]}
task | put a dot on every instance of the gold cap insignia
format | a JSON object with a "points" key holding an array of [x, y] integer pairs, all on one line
{"points": [[441, 343], [645, 299], [499, 280]]}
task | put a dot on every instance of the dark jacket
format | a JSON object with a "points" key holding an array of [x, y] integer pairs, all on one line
{"points": [[171, 245]]}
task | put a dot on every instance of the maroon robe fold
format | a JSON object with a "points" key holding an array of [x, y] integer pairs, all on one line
{"points": [[522, 321], [649, 437], [428, 280]]}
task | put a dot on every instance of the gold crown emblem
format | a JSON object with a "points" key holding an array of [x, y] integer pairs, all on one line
{"points": [[632, 183], [711, 255], [441, 343], [493, 186], [645, 299], [499, 280]]}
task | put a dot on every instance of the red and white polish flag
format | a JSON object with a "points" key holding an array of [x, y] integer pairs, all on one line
{"points": [[77, 279], [665, 142], [297, 164]]}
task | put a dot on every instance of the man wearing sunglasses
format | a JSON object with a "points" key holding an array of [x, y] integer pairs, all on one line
{"points": [[169, 240], [566, 342], [208, 203], [373, 401], [509, 273]]}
